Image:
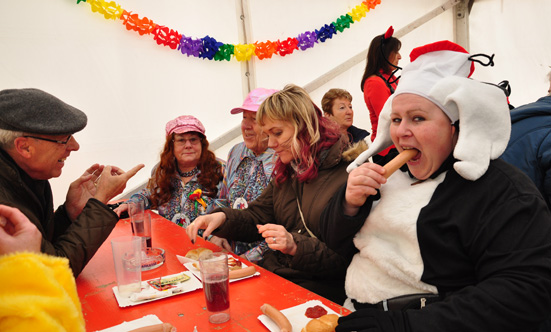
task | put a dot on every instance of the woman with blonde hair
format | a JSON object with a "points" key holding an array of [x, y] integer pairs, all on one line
{"points": [[308, 171]]}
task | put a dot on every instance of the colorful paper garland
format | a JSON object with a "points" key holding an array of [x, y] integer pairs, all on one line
{"points": [[209, 48]]}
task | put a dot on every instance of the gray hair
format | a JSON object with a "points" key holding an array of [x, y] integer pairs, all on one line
{"points": [[7, 137]]}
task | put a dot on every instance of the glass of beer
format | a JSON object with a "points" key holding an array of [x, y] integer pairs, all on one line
{"points": [[215, 278]]}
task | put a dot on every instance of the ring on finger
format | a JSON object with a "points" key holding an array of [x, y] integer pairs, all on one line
{"points": [[274, 239]]}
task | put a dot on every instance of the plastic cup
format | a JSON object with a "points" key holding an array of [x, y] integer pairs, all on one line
{"points": [[127, 254], [215, 278], [141, 221], [135, 209]]}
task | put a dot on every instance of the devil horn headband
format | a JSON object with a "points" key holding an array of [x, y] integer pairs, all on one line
{"points": [[389, 33]]}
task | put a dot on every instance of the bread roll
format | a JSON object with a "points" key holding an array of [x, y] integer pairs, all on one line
{"points": [[198, 253], [325, 323]]}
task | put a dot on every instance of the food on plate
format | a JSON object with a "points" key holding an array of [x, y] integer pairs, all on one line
{"points": [[325, 323], [168, 282], [275, 315], [398, 161], [165, 327], [233, 263], [315, 312], [195, 254], [241, 273]]}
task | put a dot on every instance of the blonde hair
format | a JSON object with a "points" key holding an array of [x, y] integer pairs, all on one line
{"points": [[294, 105], [312, 132]]}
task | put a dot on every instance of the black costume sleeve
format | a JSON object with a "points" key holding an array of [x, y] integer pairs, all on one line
{"points": [[338, 229]]}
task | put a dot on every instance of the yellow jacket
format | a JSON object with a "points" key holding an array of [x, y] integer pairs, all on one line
{"points": [[38, 293]]}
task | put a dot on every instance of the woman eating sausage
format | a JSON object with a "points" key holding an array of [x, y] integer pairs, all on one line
{"points": [[458, 240]]}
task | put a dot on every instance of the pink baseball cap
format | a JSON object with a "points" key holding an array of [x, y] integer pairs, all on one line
{"points": [[184, 124], [253, 100]]}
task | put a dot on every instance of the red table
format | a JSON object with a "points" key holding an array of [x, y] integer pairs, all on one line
{"points": [[184, 311]]}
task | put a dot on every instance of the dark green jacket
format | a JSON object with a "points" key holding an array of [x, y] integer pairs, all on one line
{"points": [[278, 205], [76, 241]]}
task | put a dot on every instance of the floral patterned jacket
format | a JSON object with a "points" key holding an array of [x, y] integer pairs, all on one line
{"points": [[180, 209]]}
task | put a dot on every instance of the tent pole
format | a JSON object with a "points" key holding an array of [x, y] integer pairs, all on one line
{"points": [[248, 72], [321, 80], [461, 24], [249, 77]]}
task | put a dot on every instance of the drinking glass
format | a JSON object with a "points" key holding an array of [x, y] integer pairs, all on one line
{"points": [[141, 221], [215, 278], [127, 256]]}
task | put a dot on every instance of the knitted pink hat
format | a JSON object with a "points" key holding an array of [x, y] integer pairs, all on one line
{"points": [[253, 100], [184, 124]]}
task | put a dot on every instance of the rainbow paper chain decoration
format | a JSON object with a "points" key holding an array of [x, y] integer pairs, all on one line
{"points": [[209, 48]]}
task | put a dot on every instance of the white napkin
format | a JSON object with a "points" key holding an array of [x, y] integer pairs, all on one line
{"points": [[134, 324]]}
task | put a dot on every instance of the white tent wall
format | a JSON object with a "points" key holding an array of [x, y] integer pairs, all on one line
{"points": [[518, 33], [130, 87]]}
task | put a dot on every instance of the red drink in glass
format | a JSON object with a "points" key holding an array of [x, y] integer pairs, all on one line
{"points": [[216, 282], [217, 293]]}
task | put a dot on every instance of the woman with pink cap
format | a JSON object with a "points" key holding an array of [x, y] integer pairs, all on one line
{"points": [[185, 183], [457, 240]]}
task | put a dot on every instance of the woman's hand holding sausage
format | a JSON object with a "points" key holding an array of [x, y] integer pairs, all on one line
{"points": [[362, 182]]}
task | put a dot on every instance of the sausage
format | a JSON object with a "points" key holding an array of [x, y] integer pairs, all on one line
{"points": [[398, 161], [281, 321], [165, 327], [244, 272]]}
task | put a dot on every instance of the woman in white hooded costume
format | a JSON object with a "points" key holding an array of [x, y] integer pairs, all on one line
{"points": [[457, 240]]}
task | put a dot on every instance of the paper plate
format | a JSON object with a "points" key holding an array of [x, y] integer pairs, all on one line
{"points": [[151, 294], [295, 315]]}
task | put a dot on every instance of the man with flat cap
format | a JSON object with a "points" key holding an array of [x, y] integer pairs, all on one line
{"points": [[36, 131]]}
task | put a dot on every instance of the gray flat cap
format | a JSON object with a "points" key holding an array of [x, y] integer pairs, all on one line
{"points": [[37, 112]]}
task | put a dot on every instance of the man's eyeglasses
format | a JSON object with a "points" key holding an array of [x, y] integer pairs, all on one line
{"points": [[50, 140]]}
